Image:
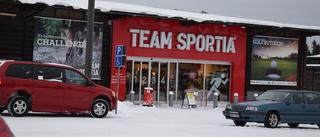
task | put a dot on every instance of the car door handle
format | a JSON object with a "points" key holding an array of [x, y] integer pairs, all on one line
{"points": [[68, 86]]}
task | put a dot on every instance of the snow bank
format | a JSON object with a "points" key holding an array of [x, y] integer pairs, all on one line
{"points": [[139, 121]]}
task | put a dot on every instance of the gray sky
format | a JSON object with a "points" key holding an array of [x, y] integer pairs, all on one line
{"points": [[302, 12]]}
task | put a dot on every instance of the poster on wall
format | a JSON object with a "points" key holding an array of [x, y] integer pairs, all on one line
{"points": [[274, 61], [63, 41]]}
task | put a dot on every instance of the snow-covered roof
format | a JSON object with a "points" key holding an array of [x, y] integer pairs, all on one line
{"points": [[314, 56], [313, 65], [106, 6]]}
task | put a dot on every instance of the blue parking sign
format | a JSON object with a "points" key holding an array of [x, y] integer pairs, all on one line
{"points": [[118, 61], [120, 57], [120, 50]]}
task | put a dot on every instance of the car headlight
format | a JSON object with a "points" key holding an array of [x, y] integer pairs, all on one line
{"points": [[229, 107], [252, 108], [113, 93]]}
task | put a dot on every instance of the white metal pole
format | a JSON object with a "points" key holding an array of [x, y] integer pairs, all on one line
{"points": [[117, 92]]}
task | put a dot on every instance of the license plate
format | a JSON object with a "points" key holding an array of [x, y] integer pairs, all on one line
{"points": [[234, 114]]}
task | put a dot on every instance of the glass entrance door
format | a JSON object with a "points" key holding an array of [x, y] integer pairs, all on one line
{"points": [[163, 82], [159, 74], [148, 74], [166, 76], [154, 80], [140, 78]]}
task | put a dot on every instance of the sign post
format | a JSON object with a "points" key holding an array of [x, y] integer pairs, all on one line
{"points": [[119, 62]]}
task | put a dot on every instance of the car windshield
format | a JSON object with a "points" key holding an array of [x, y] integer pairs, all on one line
{"points": [[274, 95]]}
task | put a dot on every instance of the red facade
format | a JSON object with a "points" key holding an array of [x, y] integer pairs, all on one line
{"points": [[147, 37]]}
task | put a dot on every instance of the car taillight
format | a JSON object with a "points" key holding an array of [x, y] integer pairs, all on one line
{"points": [[0, 81]]}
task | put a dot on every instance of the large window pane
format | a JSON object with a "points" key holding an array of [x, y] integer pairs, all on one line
{"points": [[129, 81], [173, 79], [217, 80], [136, 81], [190, 77], [154, 79], [163, 81]]}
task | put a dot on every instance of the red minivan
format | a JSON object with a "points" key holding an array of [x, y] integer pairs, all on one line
{"points": [[41, 87]]}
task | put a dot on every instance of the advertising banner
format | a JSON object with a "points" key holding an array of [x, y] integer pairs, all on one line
{"points": [[274, 61], [63, 41]]}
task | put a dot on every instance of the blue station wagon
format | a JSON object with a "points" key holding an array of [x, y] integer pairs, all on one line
{"points": [[293, 107]]}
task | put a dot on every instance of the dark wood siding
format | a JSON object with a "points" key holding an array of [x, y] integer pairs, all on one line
{"points": [[312, 79], [10, 38]]}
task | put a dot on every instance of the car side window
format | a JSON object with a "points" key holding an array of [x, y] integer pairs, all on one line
{"points": [[313, 98], [49, 73], [74, 77], [298, 98], [20, 71]]}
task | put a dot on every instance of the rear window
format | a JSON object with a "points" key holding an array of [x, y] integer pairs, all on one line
{"points": [[313, 98], [20, 71]]}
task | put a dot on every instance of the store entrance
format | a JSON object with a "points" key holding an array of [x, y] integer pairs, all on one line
{"points": [[176, 76], [142, 74]]}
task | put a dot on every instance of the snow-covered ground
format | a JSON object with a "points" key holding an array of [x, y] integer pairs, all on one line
{"points": [[139, 121]]}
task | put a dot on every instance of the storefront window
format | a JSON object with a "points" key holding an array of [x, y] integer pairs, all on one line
{"points": [[154, 79], [177, 77], [190, 77], [163, 82], [129, 81], [217, 80], [145, 76], [172, 80], [137, 81]]}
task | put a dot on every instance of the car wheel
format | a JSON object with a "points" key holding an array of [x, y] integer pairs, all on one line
{"points": [[239, 123], [293, 125], [18, 106], [271, 120], [99, 108], [318, 125]]}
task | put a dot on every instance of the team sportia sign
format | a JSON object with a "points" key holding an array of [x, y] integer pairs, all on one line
{"points": [[185, 41]]}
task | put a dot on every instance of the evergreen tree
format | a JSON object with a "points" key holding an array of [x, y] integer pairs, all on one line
{"points": [[308, 50], [315, 48]]}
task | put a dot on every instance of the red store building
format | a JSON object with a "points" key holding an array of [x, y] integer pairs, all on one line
{"points": [[163, 54]]}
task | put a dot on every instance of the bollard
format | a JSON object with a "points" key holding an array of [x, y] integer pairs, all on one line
{"points": [[132, 96], [171, 99], [255, 95], [215, 101], [235, 95]]}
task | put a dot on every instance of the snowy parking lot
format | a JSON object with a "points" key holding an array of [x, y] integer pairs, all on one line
{"points": [[139, 121]]}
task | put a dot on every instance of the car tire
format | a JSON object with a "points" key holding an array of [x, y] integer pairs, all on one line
{"points": [[239, 123], [18, 106], [318, 125], [99, 108], [271, 120], [293, 125]]}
